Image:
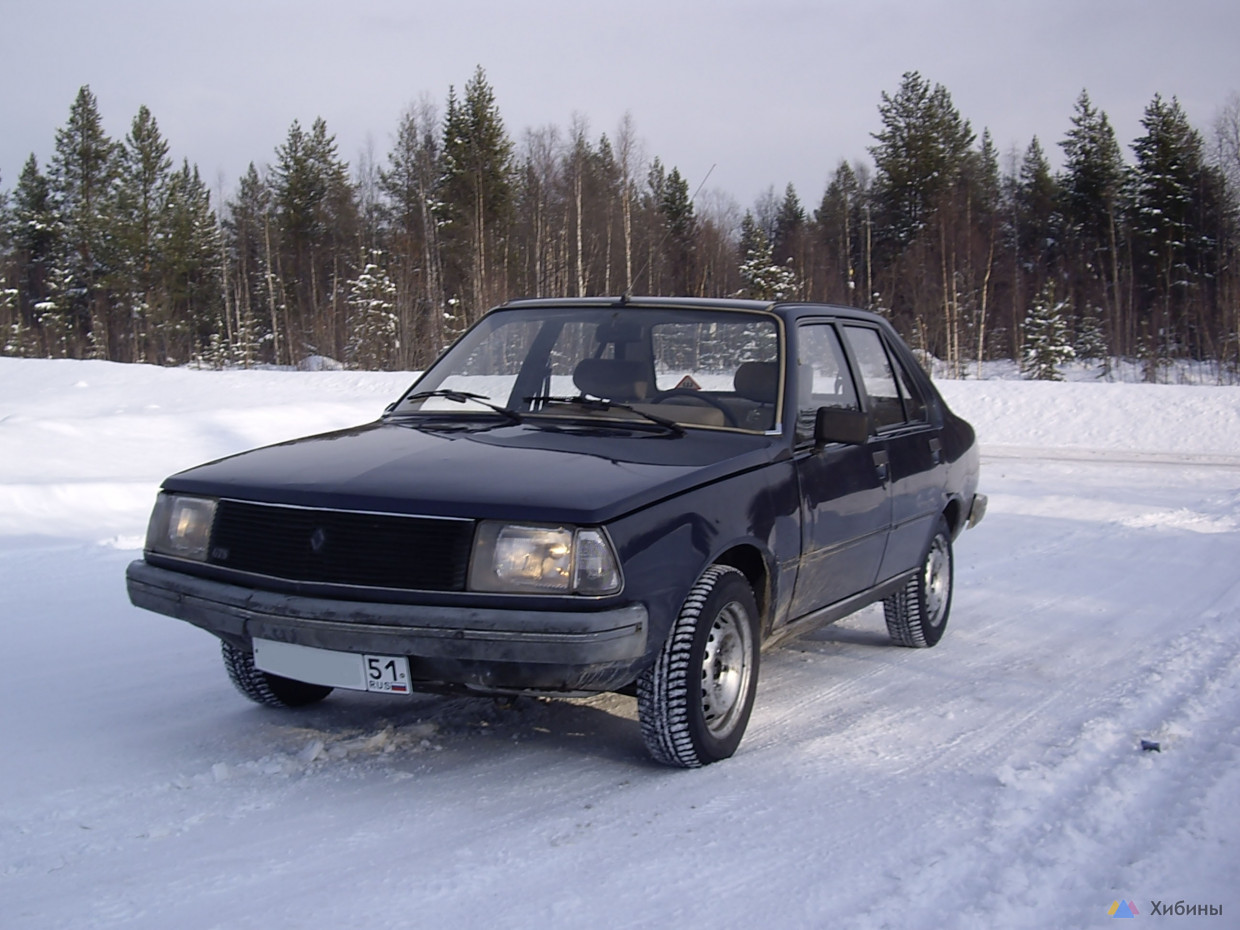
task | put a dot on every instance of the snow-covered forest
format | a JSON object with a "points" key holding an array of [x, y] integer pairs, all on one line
{"points": [[1128, 250]]}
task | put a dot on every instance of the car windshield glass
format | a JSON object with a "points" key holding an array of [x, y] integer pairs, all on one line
{"points": [[714, 369]]}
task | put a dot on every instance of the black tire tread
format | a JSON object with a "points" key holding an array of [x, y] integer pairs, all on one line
{"points": [[663, 688], [905, 611], [904, 617], [264, 688]]}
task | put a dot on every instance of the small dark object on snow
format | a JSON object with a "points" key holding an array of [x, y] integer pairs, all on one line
{"points": [[1150, 746]]}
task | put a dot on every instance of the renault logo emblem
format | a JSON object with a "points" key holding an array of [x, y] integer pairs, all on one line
{"points": [[318, 539]]}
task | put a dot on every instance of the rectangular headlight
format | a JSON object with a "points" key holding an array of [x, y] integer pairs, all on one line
{"points": [[181, 526], [534, 559]]}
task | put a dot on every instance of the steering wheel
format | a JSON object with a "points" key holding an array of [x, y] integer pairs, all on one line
{"points": [[704, 399]]}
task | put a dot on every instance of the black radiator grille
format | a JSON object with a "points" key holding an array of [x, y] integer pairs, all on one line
{"points": [[342, 547]]}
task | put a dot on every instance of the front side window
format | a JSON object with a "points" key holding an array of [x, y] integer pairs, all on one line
{"points": [[823, 379]]}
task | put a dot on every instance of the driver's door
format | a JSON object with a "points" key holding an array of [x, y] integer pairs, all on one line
{"points": [[845, 504]]}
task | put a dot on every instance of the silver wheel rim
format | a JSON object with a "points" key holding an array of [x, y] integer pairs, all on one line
{"points": [[938, 580], [726, 669]]}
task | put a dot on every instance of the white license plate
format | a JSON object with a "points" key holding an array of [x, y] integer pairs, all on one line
{"points": [[358, 672], [389, 674]]}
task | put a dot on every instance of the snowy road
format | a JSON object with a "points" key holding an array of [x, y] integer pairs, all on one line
{"points": [[994, 781]]}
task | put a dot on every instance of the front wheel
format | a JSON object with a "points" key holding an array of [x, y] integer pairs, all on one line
{"points": [[694, 702], [917, 613], [263, 687]]}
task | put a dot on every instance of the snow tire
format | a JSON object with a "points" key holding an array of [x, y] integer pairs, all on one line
{"points": [[263, 687], [917, 614], [694, 702]]}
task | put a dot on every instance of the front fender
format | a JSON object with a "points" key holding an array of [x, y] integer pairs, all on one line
{"points": [[665, 547]]}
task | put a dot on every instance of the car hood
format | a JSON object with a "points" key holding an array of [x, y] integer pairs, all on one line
{"points": [[518, 471]]}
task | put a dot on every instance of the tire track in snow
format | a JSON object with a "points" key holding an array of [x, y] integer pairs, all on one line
{"points": [[1064, 798], [1062, 832]]}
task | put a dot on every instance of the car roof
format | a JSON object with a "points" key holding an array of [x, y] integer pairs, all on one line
{"points": [[786, 309]]}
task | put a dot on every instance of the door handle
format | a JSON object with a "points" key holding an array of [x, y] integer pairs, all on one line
{"points": [[881, 461]]}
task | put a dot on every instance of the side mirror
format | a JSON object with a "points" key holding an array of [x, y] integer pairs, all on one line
{"points": [[834, 424]]}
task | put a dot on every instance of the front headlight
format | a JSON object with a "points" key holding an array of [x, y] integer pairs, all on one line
{"points": [[181, 526], [534, 559]]}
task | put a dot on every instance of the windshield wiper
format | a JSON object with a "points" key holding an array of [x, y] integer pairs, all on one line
{"points": [[465, 397], [592, 403]]}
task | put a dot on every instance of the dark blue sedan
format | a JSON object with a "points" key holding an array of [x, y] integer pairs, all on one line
{"points": [[581, 496]]}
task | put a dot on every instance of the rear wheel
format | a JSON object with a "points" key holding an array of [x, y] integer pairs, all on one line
{"points": [[694, 702], [917, 613], [265, 688]]}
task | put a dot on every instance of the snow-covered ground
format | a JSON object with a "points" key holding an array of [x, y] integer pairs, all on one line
{"points": [[994, 781]]}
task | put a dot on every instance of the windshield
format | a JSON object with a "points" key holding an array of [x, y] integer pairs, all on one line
{"points": [[712, 369]]}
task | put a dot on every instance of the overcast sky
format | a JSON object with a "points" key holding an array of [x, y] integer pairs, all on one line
{"points": [[767, 92]]}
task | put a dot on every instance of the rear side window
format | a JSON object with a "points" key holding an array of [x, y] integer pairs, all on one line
{"points": [[893, 397]]}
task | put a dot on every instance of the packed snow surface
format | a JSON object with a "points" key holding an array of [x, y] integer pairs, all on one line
{"points": [[997, 780]]}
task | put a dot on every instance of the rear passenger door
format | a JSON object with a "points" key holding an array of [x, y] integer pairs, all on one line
{"points": [[906, 444]]}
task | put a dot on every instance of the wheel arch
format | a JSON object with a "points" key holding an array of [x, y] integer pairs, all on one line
{"points": [[750, 561]]}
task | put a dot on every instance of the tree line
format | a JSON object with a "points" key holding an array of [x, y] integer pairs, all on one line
{"points": [[111, 251]]}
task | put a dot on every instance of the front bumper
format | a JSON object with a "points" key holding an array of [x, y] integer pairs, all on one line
{"points": [[471, 647]]}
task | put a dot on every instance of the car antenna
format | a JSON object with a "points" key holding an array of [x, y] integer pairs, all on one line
{"points": [[627, 294]]}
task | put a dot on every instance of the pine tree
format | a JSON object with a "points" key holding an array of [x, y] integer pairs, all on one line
{"points": [[83, 171], [1037, 205], [374, 335], [606, 232], [34, 234], [651, 217], [920, 153], [680, 222], [843, 237], [762, 277], [836, 227], [254, 328], [13, 335], [922, 206], [54, 316], [1047, 344], [316, 212], [189, 276], [1092, 188], [1226, 161], [788, 244], [14, 338], [1091, 343], [1176, 199], [141, 199], [476, 195]]}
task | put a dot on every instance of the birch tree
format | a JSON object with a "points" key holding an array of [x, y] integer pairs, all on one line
{"points": [[411, 186]]}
